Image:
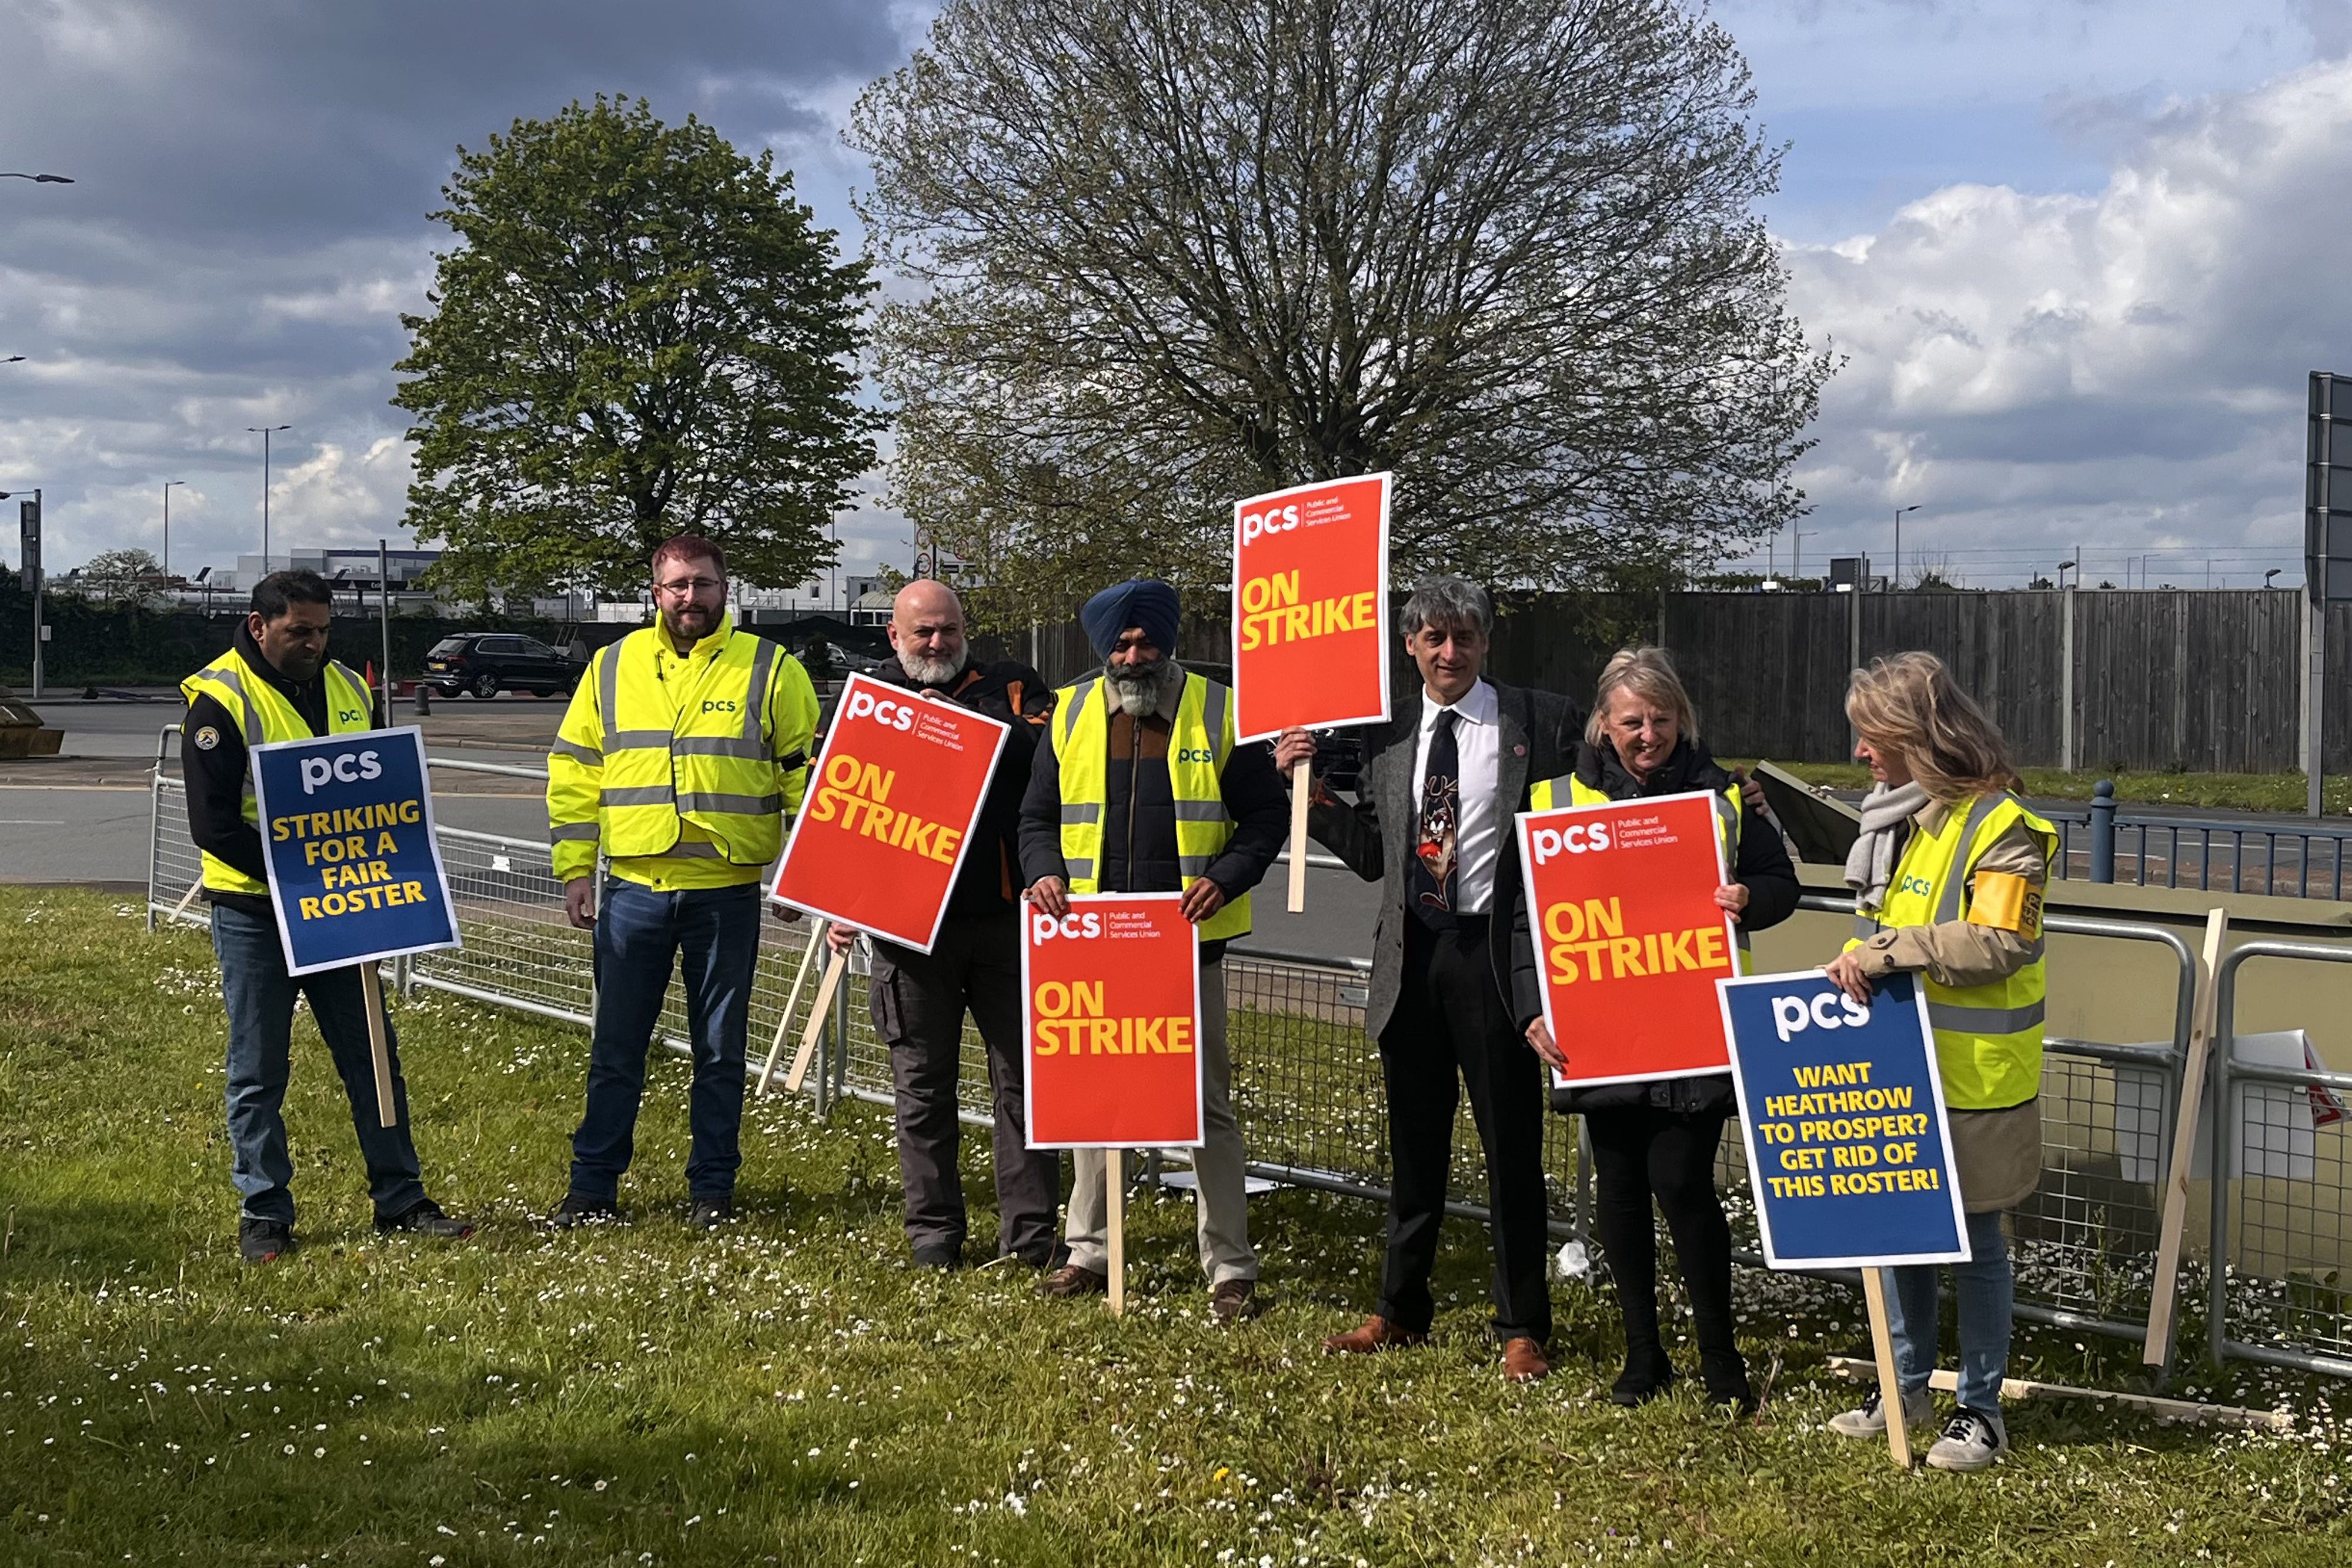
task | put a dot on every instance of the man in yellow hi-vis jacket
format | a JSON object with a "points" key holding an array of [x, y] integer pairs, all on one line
{"points": [[686, 745]]}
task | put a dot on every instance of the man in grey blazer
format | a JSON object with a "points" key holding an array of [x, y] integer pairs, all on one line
{"points": [[1433, 822]]}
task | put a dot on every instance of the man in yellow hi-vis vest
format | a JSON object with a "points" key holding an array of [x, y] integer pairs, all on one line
{"points": [[1141, 789], [686, 745], [278, 684]]}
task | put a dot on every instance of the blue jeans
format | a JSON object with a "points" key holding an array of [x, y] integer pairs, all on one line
{"points": [[260, 995], [641, 935], [1986, 1290]]}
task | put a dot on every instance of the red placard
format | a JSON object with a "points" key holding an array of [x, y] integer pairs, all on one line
{"points": [[1113, 1023], [891, 801], [1627, 936], [1311, 607]]}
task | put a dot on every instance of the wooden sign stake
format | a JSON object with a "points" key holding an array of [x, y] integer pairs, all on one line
{"points": [[1890, 1387], [1301, 787], [1116, 1199], [819, 1012], [387, 1114], [2158, 1350], [791, 1003]]}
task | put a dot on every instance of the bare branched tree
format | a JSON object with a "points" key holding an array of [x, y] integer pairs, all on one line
{"points": [[1168, 253]]}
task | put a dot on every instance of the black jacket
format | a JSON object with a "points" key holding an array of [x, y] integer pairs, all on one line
{"points": [[213, 765], [1139, 815], [1015, 694], [1762, 868], [1374, 836]]}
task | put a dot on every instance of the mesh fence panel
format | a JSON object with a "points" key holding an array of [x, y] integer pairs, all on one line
{"points": [[2288, 1202]]}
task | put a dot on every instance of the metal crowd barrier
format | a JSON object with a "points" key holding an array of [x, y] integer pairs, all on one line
{"points": [[2100, 845], [1308, 1091]]}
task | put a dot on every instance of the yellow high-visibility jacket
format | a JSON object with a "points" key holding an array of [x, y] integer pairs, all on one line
{"points": [[681, 767], [263, 714]]}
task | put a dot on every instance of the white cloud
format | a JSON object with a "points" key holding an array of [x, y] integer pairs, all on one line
{"points": [[2124, 370]]}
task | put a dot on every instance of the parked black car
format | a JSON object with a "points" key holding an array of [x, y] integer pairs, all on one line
{"points": [[486, 663]]}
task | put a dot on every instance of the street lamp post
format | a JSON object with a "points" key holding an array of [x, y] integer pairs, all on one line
{"points": [[1895, 577], [168, 485], [264, 432]]}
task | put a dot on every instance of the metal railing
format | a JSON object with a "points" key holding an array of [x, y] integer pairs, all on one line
{"points": [[1308, 1090], [2101, 845]]}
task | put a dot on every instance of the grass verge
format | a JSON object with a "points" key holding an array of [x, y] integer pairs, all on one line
{"points": [[789, 1392]]}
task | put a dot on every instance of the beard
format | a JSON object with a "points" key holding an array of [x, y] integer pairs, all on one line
{"points": [[1141, 692], [933, 672]]}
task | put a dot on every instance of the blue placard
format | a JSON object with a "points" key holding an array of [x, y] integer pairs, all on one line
{"points": [[1849, 1150], [355, 867]]}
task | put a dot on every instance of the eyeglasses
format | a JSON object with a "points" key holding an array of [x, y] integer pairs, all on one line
{"points": [[685, 588]]}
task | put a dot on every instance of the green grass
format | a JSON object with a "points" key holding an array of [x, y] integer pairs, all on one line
{"points": [[2229, 791], [789, 1392]]}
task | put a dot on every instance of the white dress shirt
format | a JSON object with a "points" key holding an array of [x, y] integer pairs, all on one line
{"points": [[1478, 829]]}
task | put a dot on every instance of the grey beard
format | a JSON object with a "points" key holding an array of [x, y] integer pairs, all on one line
{"points": [[934, 672], [1144, 692]]}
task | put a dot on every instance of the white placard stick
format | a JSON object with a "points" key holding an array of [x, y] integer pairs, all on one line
{"points": [[186, 899], [379, 1048], [1890, 1387], [2166, 1287], [1301, 787], [791, 1002], [820, 1012], [1114, 1197]]}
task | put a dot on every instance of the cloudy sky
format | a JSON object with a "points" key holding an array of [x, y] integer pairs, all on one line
{"points": [[2079, 254]]}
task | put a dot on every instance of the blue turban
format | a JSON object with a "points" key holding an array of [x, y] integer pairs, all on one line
{"points": [[1144, 601]]}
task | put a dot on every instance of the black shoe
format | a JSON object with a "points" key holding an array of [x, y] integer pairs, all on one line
{"points": [[263, 1240], [1724, 1374], [426, 1218], [710, 1213], [1647, 1374], [944, 1256], [577, 1211]]}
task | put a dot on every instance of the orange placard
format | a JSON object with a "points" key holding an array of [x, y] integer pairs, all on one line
{"points": [[1311, 607], [1627, 936], [1113, 1023], [891, 803]]}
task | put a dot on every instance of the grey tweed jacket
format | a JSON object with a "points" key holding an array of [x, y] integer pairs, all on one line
{"points": [[1374, 836]]}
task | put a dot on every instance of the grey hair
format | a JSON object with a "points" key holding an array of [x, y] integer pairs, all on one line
{"points": [[1649, 674], [1449, 603]]}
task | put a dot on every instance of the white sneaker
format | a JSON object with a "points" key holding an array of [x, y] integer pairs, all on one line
{"points": [[1869, 1419], [1972, 1439]]}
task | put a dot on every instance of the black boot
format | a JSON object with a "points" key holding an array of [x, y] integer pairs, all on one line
{"points": [[1725, 1373], [1647, 1374]]}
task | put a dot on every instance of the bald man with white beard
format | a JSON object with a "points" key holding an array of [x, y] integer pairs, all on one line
{"points": [[918, 1000]]}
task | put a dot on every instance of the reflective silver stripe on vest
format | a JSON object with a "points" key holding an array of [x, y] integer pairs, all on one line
{"points": [[1194, 865], [1076, 705], [693, 850], [353, 676], [608, 698], [577, 752], [563, 832], [751, 751], [1212, 715], [637, 795], [1865, 927], [1957, 1018], [763, 664], [1200, 811], [1947, 898], [234, 679], [1080, 871], [1074, 812], [636, 740], [740, 805]]}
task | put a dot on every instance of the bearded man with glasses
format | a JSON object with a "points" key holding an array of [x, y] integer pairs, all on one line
{"points": [[685, 746]]}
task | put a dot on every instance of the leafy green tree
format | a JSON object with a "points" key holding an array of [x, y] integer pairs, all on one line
{"points": [[640, 334], [1173, 255]]}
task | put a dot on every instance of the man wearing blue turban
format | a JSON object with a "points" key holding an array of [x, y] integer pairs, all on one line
{"points": [[1144, 790]]}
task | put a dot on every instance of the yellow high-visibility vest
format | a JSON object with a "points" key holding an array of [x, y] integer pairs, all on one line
{"points": [[262, 715], [1730, 815], [1200, 741], [1989, 1036], [653, 761]]}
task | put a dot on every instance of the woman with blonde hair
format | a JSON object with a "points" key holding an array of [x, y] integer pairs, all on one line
{"points": [[1657, 1141], [1948, 876]]}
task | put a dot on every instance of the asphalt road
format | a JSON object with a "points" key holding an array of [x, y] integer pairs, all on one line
{"points": [[84, 815]]}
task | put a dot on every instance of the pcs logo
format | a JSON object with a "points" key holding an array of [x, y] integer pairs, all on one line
{"points": [[1576, 838], [1194, 754], [1913, 883], [346, 716], [894, 715], [1273, 520], [1043, 927], [714, 705], [1831, 1009]]}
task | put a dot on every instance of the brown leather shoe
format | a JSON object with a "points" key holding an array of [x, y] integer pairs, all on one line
{"points": [[1072, 1280], [1237, 1301], [1523, 1360], [1376, 1333]]}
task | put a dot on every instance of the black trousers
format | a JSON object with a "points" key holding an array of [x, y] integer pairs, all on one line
{"points": [[918, 1001], [1450, 1020], [1642, 1154]]}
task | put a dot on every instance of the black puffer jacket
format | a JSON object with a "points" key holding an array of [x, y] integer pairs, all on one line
{"points": [[1762, 868]]}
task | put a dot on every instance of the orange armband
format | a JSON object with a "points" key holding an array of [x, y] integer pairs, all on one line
{"points": [[2006, 903]]}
